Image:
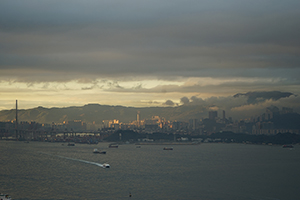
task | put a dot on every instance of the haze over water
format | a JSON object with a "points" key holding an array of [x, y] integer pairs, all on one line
{"points": [[42, 171]]}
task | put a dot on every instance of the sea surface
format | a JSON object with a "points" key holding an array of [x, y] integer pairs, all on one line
{"points": [[50, 171]]}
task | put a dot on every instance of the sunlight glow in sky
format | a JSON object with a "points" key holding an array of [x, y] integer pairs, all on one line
{"points": [[146, 53]]}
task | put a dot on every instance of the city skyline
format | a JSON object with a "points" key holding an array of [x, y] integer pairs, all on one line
{"points": [[92, 113], [150, 53], [272, 122]]}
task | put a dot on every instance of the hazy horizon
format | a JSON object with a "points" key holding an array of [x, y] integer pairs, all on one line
{"points": [[240, 106]]}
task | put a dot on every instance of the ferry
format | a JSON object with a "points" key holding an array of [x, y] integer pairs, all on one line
{"points": [[100, 152], [5, 197], [168, 148]]}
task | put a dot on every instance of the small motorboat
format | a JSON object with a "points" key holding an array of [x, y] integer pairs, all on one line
{"points": [[168, 148], [105, 165], [5, 197], [100, 152]]}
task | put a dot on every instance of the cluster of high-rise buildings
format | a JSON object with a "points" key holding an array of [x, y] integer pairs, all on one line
{"points": [[262, 124]]}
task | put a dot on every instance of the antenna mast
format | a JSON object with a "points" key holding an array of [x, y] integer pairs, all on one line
{"points": [[16, 119]]}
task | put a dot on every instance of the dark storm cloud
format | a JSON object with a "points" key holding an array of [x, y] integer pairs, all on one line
{"points": [[169, 103], [240, 99], [256, 97], [251, 104], [196, 100], [91, 39], [184, 100]]}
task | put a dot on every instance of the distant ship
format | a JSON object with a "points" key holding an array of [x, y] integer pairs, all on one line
{"points": [[5, 197], [113, 146], [71, 144], [100, 152], [287, 146], [168, 148]]}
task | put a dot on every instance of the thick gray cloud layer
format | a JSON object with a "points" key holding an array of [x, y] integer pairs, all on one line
{"points": [[45, 40], [96, 49]]}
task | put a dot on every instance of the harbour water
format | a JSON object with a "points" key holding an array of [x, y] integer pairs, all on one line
{"points": [[52, 171]]}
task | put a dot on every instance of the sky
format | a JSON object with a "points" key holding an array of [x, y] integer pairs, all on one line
{"points": [[59, 53]]}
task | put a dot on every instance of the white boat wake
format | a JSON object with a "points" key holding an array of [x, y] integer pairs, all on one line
{"points": [[105, 165]]}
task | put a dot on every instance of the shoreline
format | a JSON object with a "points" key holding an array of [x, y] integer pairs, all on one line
{"points": [[167, 143]]}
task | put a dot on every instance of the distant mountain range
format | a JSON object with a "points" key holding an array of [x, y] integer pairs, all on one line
{"points": [[98, 113], [194, 108]]}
